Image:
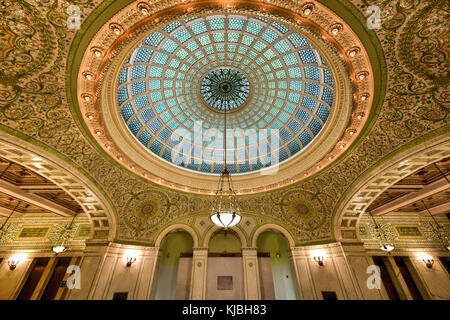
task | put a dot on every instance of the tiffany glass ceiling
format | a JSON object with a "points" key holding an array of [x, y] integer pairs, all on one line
{"points": [[276, 88]]}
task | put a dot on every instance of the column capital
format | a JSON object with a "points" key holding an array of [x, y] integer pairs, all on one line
{"points": [[199, 249]]}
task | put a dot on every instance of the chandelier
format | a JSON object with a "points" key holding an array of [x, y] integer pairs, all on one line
{"points": [[225, 212], [384, 244], [60, 246]]}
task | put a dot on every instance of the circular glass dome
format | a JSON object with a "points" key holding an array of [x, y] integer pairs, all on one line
{"points": [[175, 85]]}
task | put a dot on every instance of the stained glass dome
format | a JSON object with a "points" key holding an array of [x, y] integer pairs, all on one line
{"points": [[175, 85]]}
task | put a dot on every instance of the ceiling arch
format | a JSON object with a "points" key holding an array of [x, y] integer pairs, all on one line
{"points": [[368, 187], [89, 199]]}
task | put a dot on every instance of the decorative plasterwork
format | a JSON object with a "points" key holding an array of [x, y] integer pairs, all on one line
{"points": [[36, 107], [201, 234], [370, 186], [107, 48], [100, 215]]}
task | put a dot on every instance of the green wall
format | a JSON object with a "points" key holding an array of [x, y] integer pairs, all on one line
{"points": [[283, 274], [225, 242], [166, 277]]}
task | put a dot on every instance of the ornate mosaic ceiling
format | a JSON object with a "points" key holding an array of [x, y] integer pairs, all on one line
{"points": [[41, 70], [175, 83]]}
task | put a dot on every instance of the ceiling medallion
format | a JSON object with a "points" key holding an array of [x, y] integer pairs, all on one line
{"points": [[225, 89]]}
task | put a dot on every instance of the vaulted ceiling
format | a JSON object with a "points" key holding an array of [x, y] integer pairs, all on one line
{"points": [[25, 191], [44, 58]]}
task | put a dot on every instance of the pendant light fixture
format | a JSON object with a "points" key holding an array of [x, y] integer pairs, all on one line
{"points": [[2, 228], [225, 212], [439, 230], [60, 247], [384, 244]]}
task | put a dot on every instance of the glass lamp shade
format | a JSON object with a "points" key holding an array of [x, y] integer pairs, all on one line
{"points": [[225, 219], [387, 247], [58, 249]]}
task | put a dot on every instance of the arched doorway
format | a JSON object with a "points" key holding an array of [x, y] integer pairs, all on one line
{"points": [[173, 274], [225, 277], [277, 275]]}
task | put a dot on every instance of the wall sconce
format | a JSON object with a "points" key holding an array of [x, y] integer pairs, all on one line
{"points": [[14, 261], [59, 249], [428, 260], [278, 255], [130, 257], [319, 259], [130, 260], [387, 247]]}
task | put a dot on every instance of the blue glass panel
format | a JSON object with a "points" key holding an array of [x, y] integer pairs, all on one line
{"points": [[302, 115], [141, 102], [312, 73], [137, 88], [254, 28], [183, 35], [244, 167], [282, 154], [164, 134], [295, 73], [127, 111], [205, 167], [144, 137], [295, 85], [269, 36], [169, 46], [122, 95], [294, 97], [290, 59], [327, 77], [235, 23], [171, 27], [123, 76], [282, 47], [198, 28], [160, 58], [323, 112], [154, 39], [294, 147], [295, 126], [156, 72], [155, 125], [167, 154], [309, 103], [327, 96], [307, 56], [281, 28], [134, 125], [297, 41], [154, 85], [156, 96], [156, 146], [305, 137], [143, 55], [217, 23], [138, 72], [312, 89], [147, 114], [315, 126], [285, 135], [231, 168]]}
